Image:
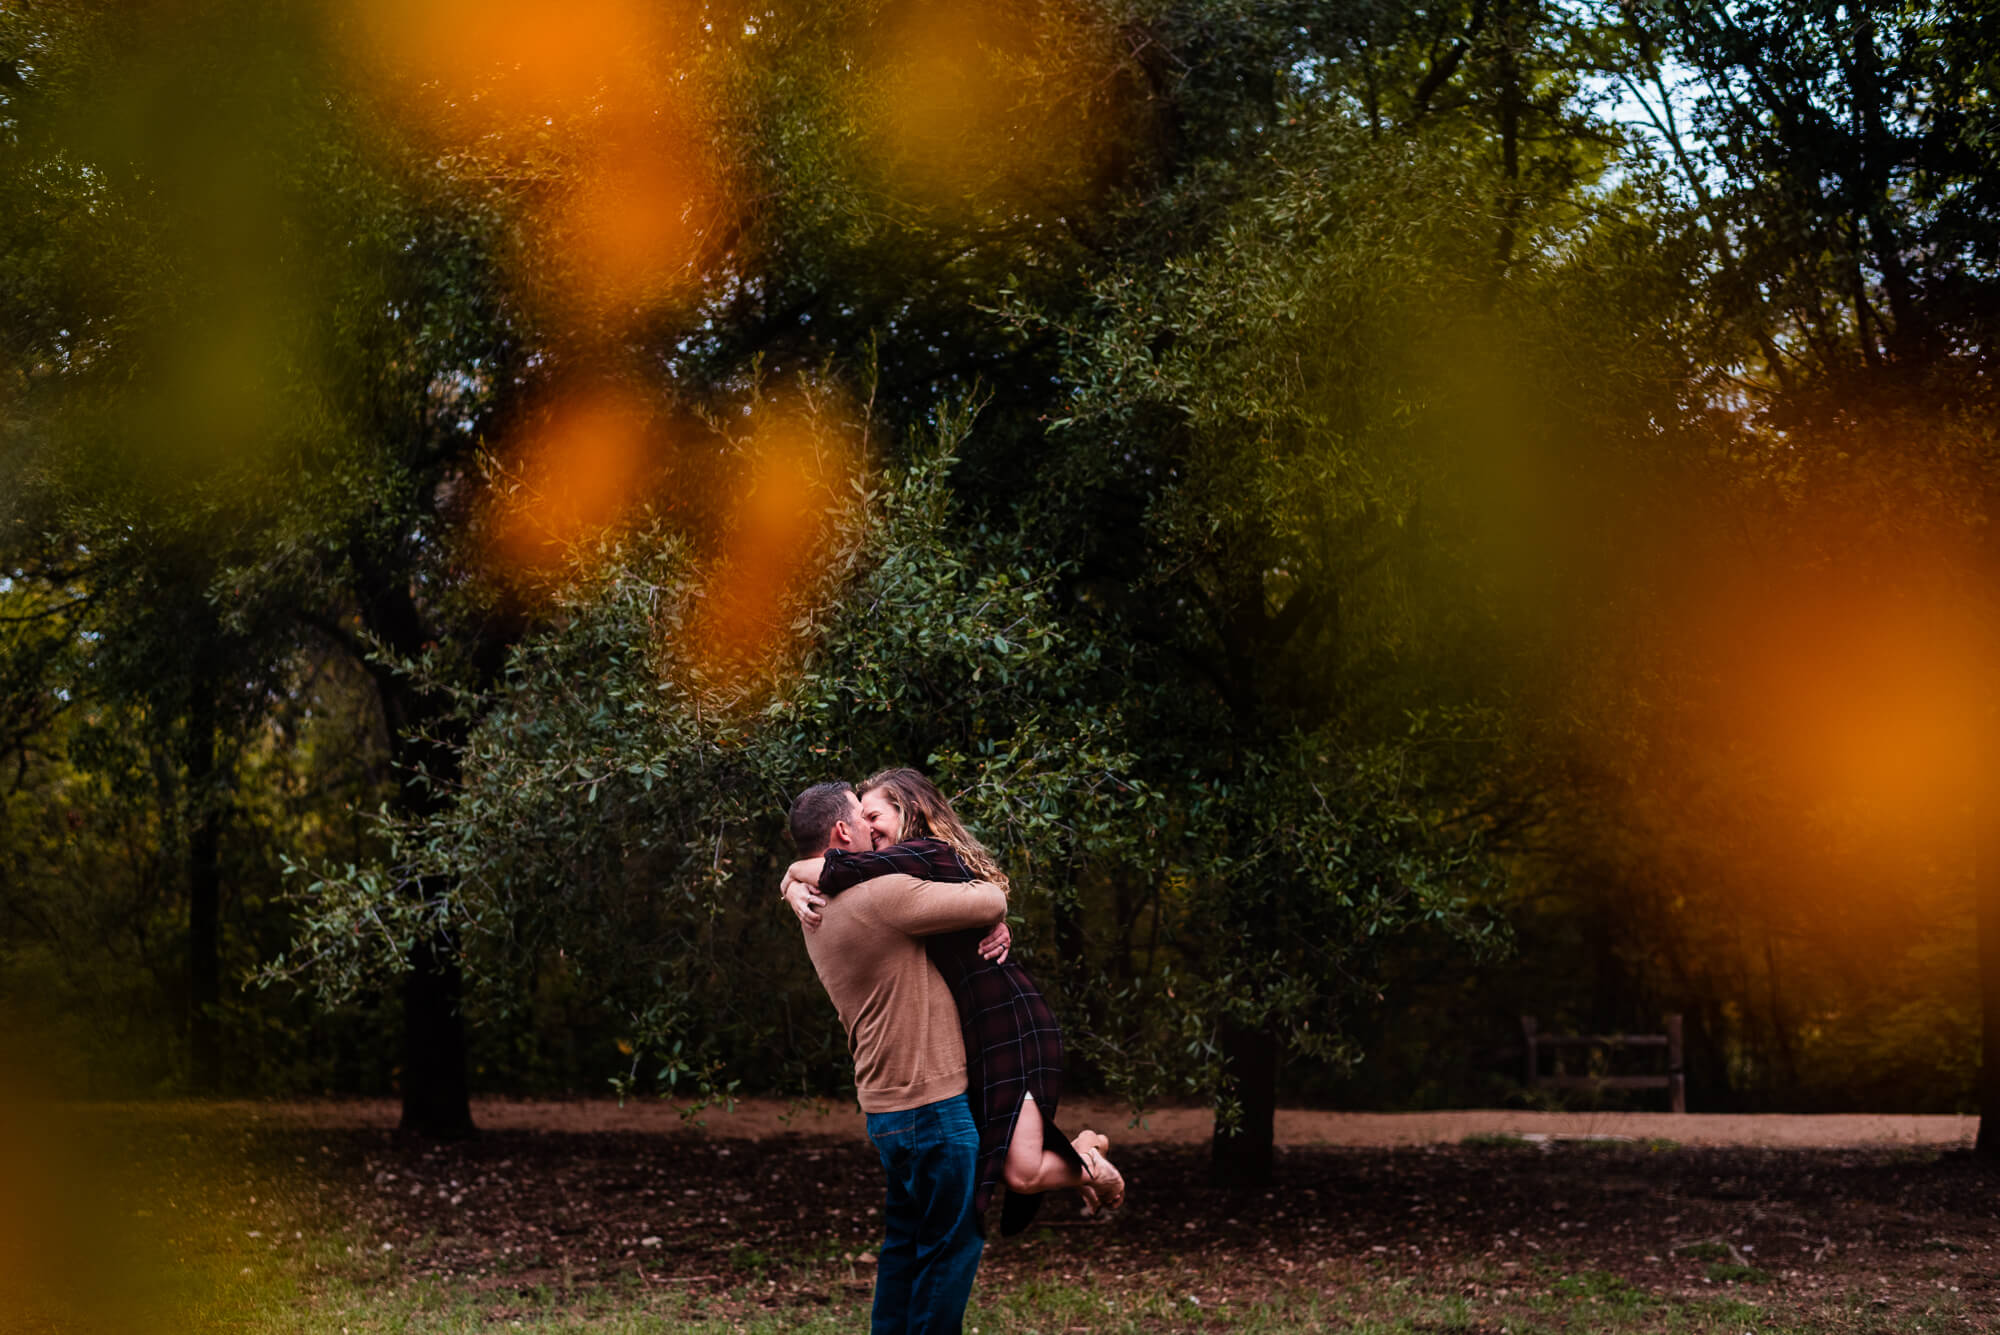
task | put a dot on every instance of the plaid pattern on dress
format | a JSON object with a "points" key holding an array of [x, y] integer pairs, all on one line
{"points": [[1013, 1045]]}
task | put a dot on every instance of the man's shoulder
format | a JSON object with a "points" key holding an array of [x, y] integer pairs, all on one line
{"points": [[866, 922], [888, 883], [864, 901]]}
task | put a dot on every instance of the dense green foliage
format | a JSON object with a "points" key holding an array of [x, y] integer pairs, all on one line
{"points": [[1338, 493], [622, 806]]}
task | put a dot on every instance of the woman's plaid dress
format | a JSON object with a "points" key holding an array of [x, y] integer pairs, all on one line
{"points": [[1013, 1045]]}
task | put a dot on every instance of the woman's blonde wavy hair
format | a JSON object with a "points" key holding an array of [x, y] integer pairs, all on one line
{"points": [[926, 813]]}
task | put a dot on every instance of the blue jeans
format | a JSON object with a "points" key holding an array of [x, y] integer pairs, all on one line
{"points": [[931, 1243]]}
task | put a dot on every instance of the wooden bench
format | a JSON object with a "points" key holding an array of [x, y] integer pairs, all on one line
{"points": [[1674, 1081]]}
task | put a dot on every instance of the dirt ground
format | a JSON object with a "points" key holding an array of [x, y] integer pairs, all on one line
{"points": [[759, 1119], [770, 1205]]}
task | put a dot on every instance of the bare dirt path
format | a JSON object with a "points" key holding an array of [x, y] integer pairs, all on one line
{"points": [[1814, 1223], [760, 1119]]}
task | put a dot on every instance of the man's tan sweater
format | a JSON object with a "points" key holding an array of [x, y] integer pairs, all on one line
{"points": [[902, 1025]]}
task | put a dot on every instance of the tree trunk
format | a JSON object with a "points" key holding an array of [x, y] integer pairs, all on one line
{"points": [[423, 746], [204, 873], [1243, 1157], [437, 1100], [437, 1094]]}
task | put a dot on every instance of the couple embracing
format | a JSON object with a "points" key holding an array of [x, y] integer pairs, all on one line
{"points": [[957, 1057]]}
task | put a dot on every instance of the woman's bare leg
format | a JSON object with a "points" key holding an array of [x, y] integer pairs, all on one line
{"points": [[1032, 1168]]}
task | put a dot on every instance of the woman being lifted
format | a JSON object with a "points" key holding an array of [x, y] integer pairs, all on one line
{"points": [[1013, 1045]]}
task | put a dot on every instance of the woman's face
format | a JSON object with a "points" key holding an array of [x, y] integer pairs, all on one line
{"points": [[884, 822]]}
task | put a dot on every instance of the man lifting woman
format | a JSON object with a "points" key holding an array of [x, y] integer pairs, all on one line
{"points": [[961, 1083]]}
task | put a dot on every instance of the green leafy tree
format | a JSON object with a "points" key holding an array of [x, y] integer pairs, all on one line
{"points": [[1840, 160], [251, 374], [122, 551], [1361, 425], [1272, 593], [619, 809]]}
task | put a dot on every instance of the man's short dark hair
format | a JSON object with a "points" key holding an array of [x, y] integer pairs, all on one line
{"points": [[816, 811]]}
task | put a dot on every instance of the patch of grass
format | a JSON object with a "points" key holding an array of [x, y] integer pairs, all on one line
{"points": [[1734, 1313], [1703, 1251], [435, 1308], [1729, 1272], [1038, 1305], [314, 1295], [1599, 1285], [1594, 1301]]}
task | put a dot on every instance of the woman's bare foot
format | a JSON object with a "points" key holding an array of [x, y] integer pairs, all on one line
{"points": [[1085, 1144], [1107, 1185]]}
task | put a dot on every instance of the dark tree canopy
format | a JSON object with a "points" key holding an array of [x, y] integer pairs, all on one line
{"points": [[1338, 494]]}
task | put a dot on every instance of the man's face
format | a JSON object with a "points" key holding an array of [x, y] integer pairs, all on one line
{"points": [[851, 831], [884, 822]]}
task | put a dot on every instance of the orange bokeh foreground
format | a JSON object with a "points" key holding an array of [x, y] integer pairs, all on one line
{"points": [[75, 1253], [1819, 726], [594, 125], [587, 112], [774, 541], [498, 67], [758, 505], [994, 104], [586, 459], [1868, 697], [631, 227]]}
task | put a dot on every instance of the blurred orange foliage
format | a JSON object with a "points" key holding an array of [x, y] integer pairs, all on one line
{"points": [[1866, 695], [1840, 696], [587, 109], [773, 542], [978, 104], [631, 225], [953, 91], [580, 467], [505, 65], [72, 1256]]}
